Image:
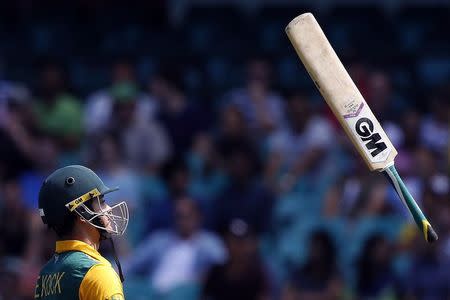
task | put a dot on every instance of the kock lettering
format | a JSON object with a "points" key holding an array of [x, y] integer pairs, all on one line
{"points": [[49, 285]]}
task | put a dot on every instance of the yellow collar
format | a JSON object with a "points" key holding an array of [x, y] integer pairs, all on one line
{"points": [[75, 245]]}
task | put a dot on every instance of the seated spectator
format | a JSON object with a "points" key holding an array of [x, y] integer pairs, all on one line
{"points": [[435, 201], [300, 146], [359, 194], [434, 131], [243, 275], [429, 275], [245, 197], [208, 179], [375, 277], [27, 153], [424, 166], [372, 199], [108, 161], [319, 277], [13, 214], [172, 257], [146, 144], [262, 108], [46, 158], [381, 97], [176, 176], [58, 112], [407, 142], [182, 117], [10, 274], [99, 105], [16, 123], [233, 131]]}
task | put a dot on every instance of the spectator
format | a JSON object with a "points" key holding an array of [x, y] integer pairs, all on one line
{"points": [[408, 141], [146, 145], [208, 179], [375, 277], [172, 257], [425, 167], [176, 176], [372, 199], [16, 125], [429, 275], [13, 214], [58, 112], [245, 197], [26, 154], [46, 155], [344, 196], [300, 146], [99, 105], [261, 107], [435, 202], [108, 160], [233, 131], [10, 277], [319, 277], [243, 275], [434, 132], [182, 117], [381, 98]]}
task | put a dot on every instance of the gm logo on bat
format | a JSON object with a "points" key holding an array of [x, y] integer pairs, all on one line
{"points": [[364, 128], [368, 134]]}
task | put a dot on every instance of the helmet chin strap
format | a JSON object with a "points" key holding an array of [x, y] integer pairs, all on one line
{"points": [[116, 259], [104, 235]]}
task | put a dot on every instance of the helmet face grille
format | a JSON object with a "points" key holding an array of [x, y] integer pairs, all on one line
{"points": [[113, 220]]}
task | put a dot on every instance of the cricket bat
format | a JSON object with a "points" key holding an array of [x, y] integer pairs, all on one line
{"points": [[350, 108]]}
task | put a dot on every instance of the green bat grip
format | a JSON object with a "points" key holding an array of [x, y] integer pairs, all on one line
{"points": [[420, 219]]}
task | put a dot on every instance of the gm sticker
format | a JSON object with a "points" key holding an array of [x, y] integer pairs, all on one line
{"points": [[369, 133]]}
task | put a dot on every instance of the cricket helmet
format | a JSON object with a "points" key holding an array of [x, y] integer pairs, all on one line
{"points": [[73, 189]]}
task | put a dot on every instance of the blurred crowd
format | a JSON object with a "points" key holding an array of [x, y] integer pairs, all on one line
{"points": [[252, 192]]}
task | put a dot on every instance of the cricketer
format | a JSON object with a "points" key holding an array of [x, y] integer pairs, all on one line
{"points": [[71, 202]]}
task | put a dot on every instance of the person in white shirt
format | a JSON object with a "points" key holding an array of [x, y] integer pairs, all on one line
{"points": [[170, 258], [299, 146]]}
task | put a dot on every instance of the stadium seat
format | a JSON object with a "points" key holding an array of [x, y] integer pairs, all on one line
{"points": [[434, 70], [290, 72], [293, 241], [291, 207], [153, 189], [145, 68], [189, 291], [358, 233], [217, 70], [138, 289], [272, 38]]}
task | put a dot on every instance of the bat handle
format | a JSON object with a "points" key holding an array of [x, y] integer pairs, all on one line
{"points": [[420, 219]]}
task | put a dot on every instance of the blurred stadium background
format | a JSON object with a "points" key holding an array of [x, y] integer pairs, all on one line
{"points": [[240, 182]]}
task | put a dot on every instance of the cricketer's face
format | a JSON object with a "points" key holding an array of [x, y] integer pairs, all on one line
{"points": [[101, 207], [112, 219]]}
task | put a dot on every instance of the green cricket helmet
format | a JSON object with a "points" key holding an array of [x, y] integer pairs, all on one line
{"points": [[73, 189]]}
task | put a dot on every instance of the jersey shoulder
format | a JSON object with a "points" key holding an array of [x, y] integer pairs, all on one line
{"points": [[79, 260], [101, 282], [74, 262]]}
